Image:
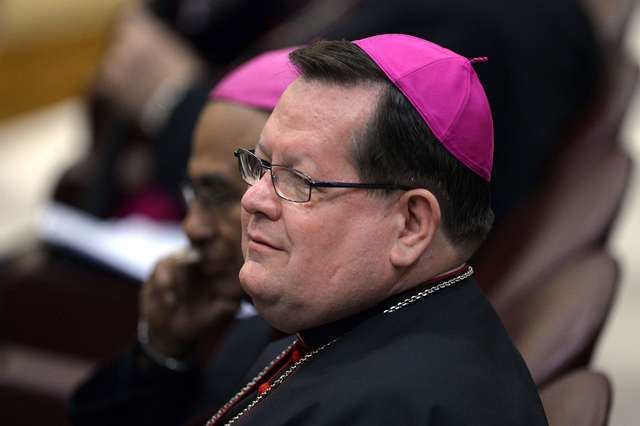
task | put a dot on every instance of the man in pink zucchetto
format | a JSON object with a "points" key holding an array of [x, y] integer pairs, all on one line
{"points": [[193, 298], [368, 191]]}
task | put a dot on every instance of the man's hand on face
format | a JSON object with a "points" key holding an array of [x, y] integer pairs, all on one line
{"points": [[181, 303]]}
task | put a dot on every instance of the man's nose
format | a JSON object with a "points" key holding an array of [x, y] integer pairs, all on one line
{"points": [[261, 198], [198, 226]]}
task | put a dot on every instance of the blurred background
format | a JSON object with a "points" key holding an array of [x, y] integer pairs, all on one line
{"points": [[82, 221]]}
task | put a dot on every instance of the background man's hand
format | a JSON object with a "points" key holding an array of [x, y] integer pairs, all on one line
{"points": [[181, 303], [143, 56]]}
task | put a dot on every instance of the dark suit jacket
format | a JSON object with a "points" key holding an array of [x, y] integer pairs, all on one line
{"points": [[443, 360]]}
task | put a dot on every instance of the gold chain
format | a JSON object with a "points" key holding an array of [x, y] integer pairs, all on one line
{"points": [[248, 386], [429, 291], [273, 385]]}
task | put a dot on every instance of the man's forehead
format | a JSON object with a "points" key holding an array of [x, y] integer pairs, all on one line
{"points": [[330, 97], [223, 127], [312, 112]]}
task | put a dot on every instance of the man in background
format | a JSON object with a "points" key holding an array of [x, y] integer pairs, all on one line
{"points": [[191, 305]]}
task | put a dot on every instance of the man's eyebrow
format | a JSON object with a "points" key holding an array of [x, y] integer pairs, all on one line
{"points": [[265, 154], [211, 179], [260, 147]]}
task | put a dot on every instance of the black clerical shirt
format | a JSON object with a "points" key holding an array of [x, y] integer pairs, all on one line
{"points": [[444, 359]]}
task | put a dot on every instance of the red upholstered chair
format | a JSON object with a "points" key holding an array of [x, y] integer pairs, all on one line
{"points": [[556, 324], [68, 307], [593, 139], [57, 319], [596, 133], [570, 217], [582, 398], [35, 385]]}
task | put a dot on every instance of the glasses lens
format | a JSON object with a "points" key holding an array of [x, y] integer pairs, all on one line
{"points": [[188, 193], [250, 167], [290, 185], [209, 192]]}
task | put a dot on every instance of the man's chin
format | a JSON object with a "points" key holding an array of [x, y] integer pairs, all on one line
{"points": [[262, 291], [253, 280]]}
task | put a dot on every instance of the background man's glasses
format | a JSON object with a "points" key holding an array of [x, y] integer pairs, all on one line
{"points": [[209, 191], [291, 184]]}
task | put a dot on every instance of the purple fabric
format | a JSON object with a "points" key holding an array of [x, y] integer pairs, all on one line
{"points": [[258, 82], [444, 89]]}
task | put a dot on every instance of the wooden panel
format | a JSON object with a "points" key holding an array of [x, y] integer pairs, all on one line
{"points": [[37, 75]]}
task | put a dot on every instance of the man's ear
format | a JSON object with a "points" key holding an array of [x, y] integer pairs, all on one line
{"points": [[418, 221]]}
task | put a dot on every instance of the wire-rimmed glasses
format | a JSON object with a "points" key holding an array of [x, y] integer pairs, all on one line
{"points": [[291, 184]]}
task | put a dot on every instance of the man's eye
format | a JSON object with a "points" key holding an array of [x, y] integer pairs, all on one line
{"points": [[213, 183], [215, 188]]}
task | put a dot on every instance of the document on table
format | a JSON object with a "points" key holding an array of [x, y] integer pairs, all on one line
{"points": [[131, 245]]}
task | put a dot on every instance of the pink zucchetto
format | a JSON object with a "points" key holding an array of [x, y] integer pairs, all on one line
{"points": [[444, 88], [258, 82]]}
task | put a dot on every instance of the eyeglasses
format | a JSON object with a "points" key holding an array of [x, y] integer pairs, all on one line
{"points": [[291, 184], [209, 191]]}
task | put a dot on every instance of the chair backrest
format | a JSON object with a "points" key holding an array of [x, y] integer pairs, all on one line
{"points": [[582, 398], [68, 307], [594, 138], [35, 385], [596, 132], [556, 324], [568, 218]]}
